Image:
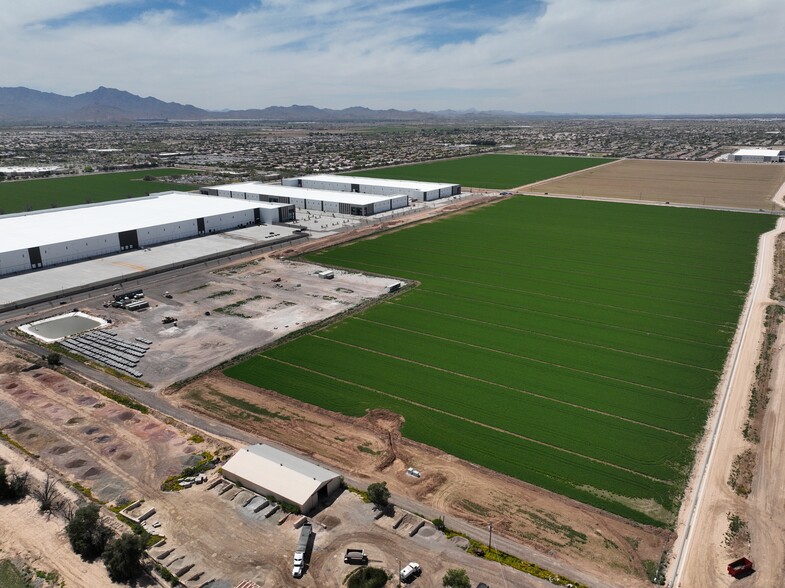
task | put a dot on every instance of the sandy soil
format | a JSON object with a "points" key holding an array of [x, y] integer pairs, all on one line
{"points": [[371, 449], [39, 540], [684, 182], [700, 557]]}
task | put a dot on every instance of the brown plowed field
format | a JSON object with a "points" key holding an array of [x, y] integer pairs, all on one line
{"points": [[733, 185]]}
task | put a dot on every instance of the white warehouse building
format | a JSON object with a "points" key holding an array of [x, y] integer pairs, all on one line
{"points": [[46, 238], [755, 155], [415, 190], [321, 200], [271, 472]]}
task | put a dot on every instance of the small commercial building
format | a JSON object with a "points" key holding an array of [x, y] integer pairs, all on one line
{"points": [[421, 191], [46, 238], [271, 472], [307, 199], [754, 155]]}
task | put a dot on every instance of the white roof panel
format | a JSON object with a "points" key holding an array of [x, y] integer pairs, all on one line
{"points": [[406, 184], [307, 193], [755, 152], [282, 473], [33, 229]]}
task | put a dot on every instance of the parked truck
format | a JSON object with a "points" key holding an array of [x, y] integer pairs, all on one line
{"points": [[298, 566], [355, 556], [411, 570], [740, 568]]}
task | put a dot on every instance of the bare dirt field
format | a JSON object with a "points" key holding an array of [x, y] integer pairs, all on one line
{"points": [[684, 182], [39, 541], [371, 449]]}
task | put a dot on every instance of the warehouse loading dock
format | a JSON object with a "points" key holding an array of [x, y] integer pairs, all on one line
{"points": [[307, 199], [66, 235], [421, 191]]}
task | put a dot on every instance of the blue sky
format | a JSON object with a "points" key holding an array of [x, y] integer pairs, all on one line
{"points": [[583, 56]]}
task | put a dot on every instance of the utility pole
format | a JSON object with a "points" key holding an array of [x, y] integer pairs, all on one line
{"points": [[490, 535]]}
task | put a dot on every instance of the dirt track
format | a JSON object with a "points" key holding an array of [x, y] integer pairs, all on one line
{"points": [[705, 557]]}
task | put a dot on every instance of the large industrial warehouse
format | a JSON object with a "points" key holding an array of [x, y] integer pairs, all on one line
{"points": [[414, 190], [321, 200], [756, 155], [46, 238], [271, 472]]}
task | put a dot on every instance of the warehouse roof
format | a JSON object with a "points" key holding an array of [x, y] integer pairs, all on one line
{"points": [[33, 229], [407, 184], [282, 473], [308, 193], [18, 169], [755, 152]]}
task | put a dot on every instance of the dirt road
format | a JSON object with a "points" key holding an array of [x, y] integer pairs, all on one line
{"points": [[700, 556]]}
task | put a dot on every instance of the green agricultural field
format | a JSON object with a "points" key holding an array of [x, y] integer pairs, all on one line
{"points": [[572, 344], [495, 172], [19, 196]]}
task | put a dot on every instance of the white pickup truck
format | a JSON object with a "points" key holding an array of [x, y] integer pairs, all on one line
{"points": [[411, 570]]}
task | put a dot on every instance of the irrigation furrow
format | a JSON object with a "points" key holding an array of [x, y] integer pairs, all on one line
{"points": [[477, 423], [555, 337], [425, 289], [505, 386], [485, 286], [572, 261], [514, 265]]}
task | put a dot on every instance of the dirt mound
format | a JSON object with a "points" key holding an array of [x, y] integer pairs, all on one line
{"points": [[383, 421], [92, 472]]}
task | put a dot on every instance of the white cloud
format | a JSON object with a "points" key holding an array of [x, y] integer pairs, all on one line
{"points": [[575, 56]]}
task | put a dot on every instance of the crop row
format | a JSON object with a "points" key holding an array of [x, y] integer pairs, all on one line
{"points": [[646, 450], [426, 311], [568, 474], [569, 381]]}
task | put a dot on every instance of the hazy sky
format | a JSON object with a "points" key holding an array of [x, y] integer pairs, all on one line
{"points": [[588, 56]]}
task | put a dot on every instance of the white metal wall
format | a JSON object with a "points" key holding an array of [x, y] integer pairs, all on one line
{"points": [[313, 204], [166, 232], [399, 202], [14, 261], [56, 253], [231, 220], [331, 206], [382, 206]]}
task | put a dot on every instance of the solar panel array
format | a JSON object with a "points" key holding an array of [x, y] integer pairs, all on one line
{"points": [[106, 347]]}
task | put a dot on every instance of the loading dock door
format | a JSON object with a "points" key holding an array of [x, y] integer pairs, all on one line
{"points": [[200, 225], [128, 240], [356, 188], [34, 254], [257, 216]]}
